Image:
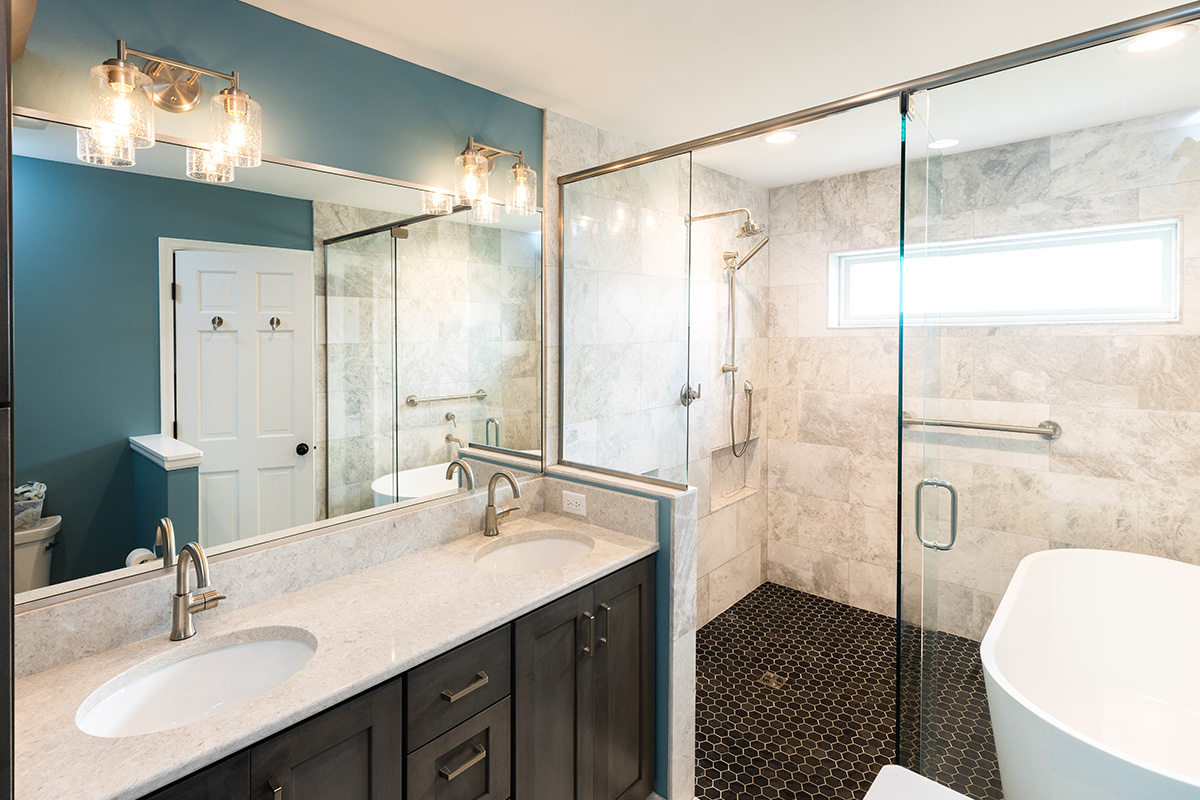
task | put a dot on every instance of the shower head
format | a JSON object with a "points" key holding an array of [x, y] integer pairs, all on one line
{"points": [[751, 228]]}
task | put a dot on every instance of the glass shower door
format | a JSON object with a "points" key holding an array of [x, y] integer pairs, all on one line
{"points": [[927, 522]]}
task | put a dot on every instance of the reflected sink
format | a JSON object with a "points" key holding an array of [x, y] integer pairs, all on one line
{"points": [[533, 551], [166, 692]]}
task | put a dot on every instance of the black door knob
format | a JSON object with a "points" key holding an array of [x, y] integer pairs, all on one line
{"points": [[301, 449]]}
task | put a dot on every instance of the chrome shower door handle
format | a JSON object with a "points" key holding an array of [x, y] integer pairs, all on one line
{"points": [[933, 544]]}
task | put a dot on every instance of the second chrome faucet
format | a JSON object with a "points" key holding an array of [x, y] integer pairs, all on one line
{"points": [[491, 521]]}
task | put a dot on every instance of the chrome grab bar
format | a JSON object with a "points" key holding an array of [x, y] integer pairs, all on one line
{"points": [[1049, 429], [934, 544], [412, 399]]}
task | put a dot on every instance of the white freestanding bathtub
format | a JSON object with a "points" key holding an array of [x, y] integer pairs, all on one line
{"points": [[1092, 665], [410, 483]]}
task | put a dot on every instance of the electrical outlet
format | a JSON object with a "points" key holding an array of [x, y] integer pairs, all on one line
{"points": [[574, 503]]}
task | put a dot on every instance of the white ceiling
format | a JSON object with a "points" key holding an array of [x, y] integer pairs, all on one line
{"points": [[665, 72]]}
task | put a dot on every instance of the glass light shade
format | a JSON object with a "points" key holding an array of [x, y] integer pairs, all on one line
{"points": [[121, 105], [107, 149], [236, 124], [485, 211], [471, 178], [521, 198], [211, 166], [437, 203]]}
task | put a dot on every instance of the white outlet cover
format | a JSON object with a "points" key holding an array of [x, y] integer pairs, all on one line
{"points": [[574, 503]]}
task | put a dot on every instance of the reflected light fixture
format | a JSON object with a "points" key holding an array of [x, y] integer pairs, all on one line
{"points": [[212, 166], [471, 180], [780, 137], [943, 144], [1156, 40], [122, 103], [485, 211], [437, 204]]}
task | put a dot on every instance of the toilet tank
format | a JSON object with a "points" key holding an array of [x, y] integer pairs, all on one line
{"points": [[33, 550]]}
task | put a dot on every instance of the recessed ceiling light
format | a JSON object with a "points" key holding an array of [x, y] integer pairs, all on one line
{"points": [[1156, 40], [943, 144], [780, 137]]}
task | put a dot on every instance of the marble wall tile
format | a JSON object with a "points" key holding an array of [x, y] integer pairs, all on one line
{"points": [[1057, 213], [1168, 522], [703, 616], [810, 571], [734, 579], [717, 540], [682, 709], [1003, 175], [985, 560], [1119, 156], [751, 521], [1041, 369], [1168, 373], [812, 469], [872, 587], [863, 423], [1143, 446]]}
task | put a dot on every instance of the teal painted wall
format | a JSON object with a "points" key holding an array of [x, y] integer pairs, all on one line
{"points": [[85, 328], [325, 100]]}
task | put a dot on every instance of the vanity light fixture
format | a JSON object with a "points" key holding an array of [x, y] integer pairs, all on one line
{"points": [[123, 99], [485, 211], [471, 180]]}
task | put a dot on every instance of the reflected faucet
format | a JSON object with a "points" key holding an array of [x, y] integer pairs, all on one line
{"points": [[468, 478], [164, 537], [185, 603], [452, 439], [491, 521]]}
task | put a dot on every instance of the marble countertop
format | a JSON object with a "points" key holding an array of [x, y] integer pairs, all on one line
{"points": [[370, 626]]}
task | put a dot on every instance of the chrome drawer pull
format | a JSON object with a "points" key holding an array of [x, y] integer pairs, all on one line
{"points": [[480, 755], [480, 681], [589, 649], [276, 788], [607, 623]]}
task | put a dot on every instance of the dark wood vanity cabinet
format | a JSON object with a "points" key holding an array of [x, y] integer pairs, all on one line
{"points": [[350, 752], [584, 692], [228, 778], [559, 705]]}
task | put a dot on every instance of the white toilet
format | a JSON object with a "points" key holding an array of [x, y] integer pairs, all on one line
{"points": [[32, 553]]}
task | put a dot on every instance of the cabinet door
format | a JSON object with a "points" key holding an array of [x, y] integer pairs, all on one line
{"points": [[553, 697], [351, 752], [624, 684], [228, 780]]}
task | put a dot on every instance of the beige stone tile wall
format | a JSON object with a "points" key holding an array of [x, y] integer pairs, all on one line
{"points": [[1122, 476]]}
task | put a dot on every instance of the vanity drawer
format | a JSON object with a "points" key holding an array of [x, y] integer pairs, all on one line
{"points": [[456, 686], [471, 762]]}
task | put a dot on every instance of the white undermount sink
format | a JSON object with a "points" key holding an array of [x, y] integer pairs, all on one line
{"points": [[167, 692], [533, 551]]}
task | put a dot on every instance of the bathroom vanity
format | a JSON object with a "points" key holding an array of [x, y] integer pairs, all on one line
{"points": [[567, 690], [431, 677]]}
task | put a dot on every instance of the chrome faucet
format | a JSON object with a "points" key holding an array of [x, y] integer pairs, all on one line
{"points": [[185, 603], [491, 522], [468, 475]]}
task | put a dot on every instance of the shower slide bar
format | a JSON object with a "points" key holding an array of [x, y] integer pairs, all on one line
{"points": [[412, 399], [1049, 429]]}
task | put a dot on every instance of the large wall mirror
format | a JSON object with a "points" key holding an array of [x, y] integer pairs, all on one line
{"points": [[251, 359]]}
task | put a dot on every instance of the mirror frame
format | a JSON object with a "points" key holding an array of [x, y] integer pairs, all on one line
{"points": [[81, 587]]}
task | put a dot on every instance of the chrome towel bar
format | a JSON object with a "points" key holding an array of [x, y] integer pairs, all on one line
{"points": [[1049, 429], [412, 399]]}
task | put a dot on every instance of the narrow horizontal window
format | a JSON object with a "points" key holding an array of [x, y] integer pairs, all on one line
{"points": [[1111, 274]]}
